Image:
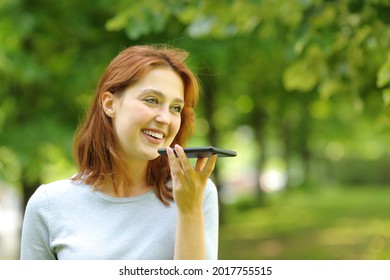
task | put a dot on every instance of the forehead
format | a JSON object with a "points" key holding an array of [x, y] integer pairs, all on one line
{"points": [[163, 80]]}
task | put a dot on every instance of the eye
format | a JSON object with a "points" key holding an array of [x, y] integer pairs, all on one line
{"points": [[151, 100], [177, 108]]}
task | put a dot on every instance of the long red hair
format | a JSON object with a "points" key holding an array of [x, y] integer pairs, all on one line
{"points": [[95, 146]]}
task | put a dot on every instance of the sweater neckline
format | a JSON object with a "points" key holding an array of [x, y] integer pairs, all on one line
{"points": [[129, 199]]}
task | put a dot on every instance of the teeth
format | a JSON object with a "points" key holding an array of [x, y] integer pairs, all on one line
{"points": [[154, 134]]}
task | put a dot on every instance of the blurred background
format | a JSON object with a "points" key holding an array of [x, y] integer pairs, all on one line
{"points": [[299, 88]]}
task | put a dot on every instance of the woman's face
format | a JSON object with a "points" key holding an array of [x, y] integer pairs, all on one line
{"points": [[147, 115]]}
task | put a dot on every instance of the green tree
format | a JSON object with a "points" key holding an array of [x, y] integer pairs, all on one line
{"points": [[308, 75], [51, 56]]}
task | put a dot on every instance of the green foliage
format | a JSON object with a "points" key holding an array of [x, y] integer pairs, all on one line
{"points": [[300, 76], [308, 81], [48, 69], [138, 18], [383, 80], [305, 83], [327, 224]]}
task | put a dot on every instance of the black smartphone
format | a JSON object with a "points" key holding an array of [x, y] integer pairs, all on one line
{"points": [[202, 152]]}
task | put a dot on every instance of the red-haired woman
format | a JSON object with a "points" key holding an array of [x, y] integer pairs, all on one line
{"points": [[127, 201]]}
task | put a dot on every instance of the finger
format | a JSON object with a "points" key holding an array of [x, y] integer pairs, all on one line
{"points": [[209, 167], [185, 163], [200, 164], [173, 162]]}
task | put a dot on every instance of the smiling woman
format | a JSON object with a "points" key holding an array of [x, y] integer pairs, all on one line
{"points": [[134, 70], [155, 98], [126, 198]]}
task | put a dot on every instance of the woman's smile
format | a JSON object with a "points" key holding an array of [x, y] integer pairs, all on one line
{"points": [[154, 136]]}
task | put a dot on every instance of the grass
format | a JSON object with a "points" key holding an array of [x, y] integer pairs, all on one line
{"points": [[327, 224]]}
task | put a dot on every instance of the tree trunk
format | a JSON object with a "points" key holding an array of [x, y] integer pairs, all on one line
{"points": [[28, 188], [259, 120], [209, 88]]}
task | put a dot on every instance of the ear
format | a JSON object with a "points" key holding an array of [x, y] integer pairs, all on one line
{"points": [[108, 100]]}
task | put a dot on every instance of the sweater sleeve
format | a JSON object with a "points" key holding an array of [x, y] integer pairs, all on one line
{"points": [[211, 214], [35, 240]]}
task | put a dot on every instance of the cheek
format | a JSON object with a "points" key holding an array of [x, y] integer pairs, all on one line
{"points": [[176, 125], [174, 128], [132, 117], [121, 129], [125, 124]]}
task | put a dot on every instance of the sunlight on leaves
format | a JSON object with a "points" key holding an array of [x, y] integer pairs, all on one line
{"points": [[57, 164], [335, 151], [9, 166], [300, 76], [320, 109], [245, 104], [383, 77], [386, 96]]}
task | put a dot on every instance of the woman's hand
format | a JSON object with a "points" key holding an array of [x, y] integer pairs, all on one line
{"points": [[189, 185]]}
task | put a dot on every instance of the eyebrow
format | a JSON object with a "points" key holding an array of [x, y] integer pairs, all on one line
{"points": [[160, 94]]}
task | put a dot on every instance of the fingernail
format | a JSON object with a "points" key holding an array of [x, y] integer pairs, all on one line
{"points": [[169, 151], [178, 148]]}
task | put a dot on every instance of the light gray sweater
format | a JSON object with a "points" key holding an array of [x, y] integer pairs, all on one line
{"points": [[68, 220]]}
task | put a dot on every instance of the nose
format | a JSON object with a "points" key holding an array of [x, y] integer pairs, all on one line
{"points": [[163, 116]]}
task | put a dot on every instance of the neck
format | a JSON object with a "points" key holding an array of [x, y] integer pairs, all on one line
{"points": [[138, 185]]}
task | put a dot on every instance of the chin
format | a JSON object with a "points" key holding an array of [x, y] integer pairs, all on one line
{"points": [[155, 156], [152, 155]]}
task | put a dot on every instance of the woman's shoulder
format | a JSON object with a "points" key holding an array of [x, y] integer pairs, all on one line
{"points": [[58, 186], [52, 190]]}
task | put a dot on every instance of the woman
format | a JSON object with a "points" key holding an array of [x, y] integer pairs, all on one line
{"points": [[127, 201]]}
